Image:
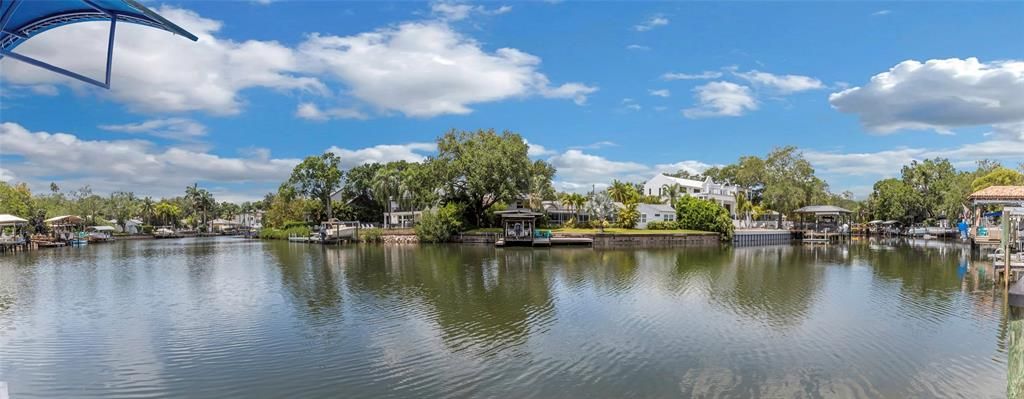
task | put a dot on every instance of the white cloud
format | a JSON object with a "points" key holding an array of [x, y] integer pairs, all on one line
{"points": [[428, 69], [686, 76], [881, 12], [630, 104], [311, 111], [579, 171], [171, 128], [142, 167], [660, 92], [6, 175], [939, 95], [693, 167], [888, 162], [110, 165], [784, 84], [651, 23], [637, 47], [455, 11], [595, 145], [412, 152], [156, 71], [537, 150], [721, 99]]}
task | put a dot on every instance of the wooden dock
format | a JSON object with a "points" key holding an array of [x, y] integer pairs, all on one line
{"points": [[816, 237]]}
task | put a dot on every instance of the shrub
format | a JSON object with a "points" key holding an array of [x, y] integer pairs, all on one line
{"points": [[283, 234], [661, 225], [147, 229], [438, 224], [371, 235], [293, 223], [629, 215], [699, 214]]}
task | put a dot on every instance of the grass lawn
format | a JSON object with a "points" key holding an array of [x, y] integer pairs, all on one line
{"points": [[484, 230]]}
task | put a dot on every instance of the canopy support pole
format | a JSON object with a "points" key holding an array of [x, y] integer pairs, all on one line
{"points": [[56, 69]]}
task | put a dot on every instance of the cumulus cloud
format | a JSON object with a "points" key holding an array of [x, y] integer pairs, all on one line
{"points": [[783, 84], [579, 171], [311, 111], [651, 23], [171, 128], [939, 95], [412, 152], [637, 47], [721, 98], [155, 71], [428, 69], [660, 92], [537, 150], [630, 104], [889, 162], [455, 11], [127, 164], [141, 166]]}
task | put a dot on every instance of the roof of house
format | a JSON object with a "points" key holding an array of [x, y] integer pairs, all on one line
{"points": [[655, 208], [822, 209], [520, 212], [1013, 193], [70, 219], [683, 182], [11, 220]]}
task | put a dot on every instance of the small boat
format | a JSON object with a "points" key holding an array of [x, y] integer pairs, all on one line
{"points": [[165, 232], [100, 234], [917, 231]]}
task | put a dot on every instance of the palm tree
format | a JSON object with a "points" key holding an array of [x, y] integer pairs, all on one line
{"points": [[206, 202], [601, 208], [673, 192], [386, 185], [147, 210], [620, 191], [743, 206]]}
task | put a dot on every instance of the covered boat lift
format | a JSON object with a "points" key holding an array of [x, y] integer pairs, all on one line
{"points": [[829, 222], [20, 20]]}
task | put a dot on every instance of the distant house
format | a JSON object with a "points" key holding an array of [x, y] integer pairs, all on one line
{"points": [[252, 219], [557, 213], [654, 213], [723, 194]]}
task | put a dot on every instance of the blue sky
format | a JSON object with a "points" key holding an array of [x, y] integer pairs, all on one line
{"points": [[602, 90]]}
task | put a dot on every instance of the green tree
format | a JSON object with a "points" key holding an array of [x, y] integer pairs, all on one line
{"points": [[932, 179], [167, 213], [673, 192], [541, 189], [439, 224], [621, 191], [147, 208], [357, 191], [892, 199], [998, 177], [482, 168], [122, 206], [16, 199], [789, 181], [705, 215], [387, 189], [317, 177], [629, 215]]}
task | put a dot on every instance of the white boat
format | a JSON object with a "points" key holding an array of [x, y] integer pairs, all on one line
{"points": [[917, 231], [100, 233], [165, 232]]}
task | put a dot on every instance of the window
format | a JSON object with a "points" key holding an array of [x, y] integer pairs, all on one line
{"points": [[643, 218], [669, 217]]}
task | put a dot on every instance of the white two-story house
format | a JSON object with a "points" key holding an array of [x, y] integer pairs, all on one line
{"points": [[723, 194]]}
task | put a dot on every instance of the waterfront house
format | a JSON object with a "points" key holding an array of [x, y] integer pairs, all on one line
{"points": [[654, 213], [723, 194]]}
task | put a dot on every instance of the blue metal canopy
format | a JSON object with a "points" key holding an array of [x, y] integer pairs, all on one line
{"points": [[20, 20]]}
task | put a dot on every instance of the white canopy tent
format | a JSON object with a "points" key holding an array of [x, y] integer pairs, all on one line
{"points": [[11, 220]]}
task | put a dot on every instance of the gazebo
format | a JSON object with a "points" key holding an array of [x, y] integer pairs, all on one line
{"points": [[518, 227], [993, 196]]}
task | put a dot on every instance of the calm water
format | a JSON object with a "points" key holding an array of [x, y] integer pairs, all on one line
{"points": [[233, 318]]}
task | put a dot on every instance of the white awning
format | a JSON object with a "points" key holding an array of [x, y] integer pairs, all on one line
{"points": [[11, 220]]}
